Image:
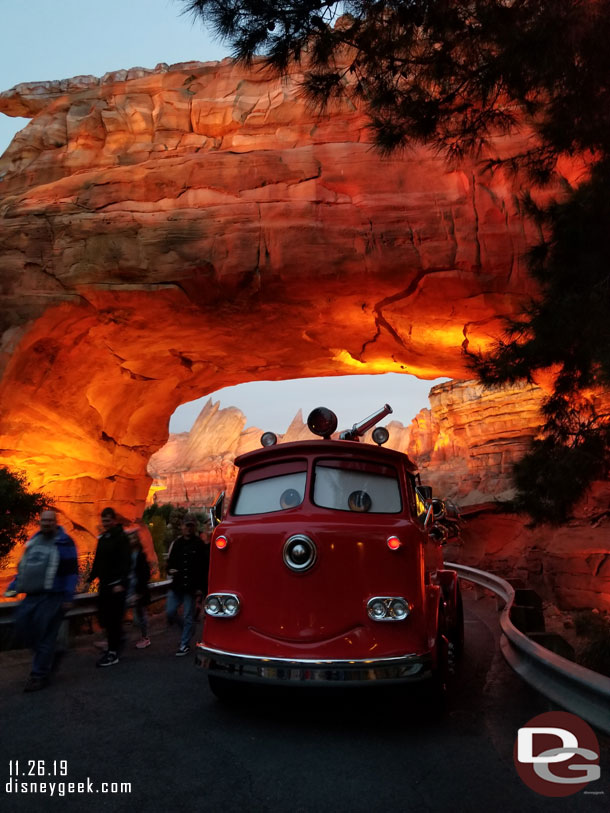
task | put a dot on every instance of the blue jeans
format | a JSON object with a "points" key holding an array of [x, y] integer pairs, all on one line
{"points": [[38, 621], [174, 602]]}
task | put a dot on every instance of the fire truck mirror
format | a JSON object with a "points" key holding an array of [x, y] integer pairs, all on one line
{"points": [[425, 492], [217, 509]]}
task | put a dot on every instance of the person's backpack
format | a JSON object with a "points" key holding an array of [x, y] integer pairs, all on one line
{"points": [[38, 566]]}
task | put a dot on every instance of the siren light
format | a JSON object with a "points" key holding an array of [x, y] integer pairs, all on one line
{"points": [[322, 421]]}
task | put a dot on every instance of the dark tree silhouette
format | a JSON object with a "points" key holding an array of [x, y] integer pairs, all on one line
{"points": [[451, 74], [18, 507]]}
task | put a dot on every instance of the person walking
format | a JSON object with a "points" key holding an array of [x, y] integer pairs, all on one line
{"points": [[186, 564], [111, 566], [47, 573], [138, 594]]}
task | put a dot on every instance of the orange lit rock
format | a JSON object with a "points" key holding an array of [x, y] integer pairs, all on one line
{"points": [[465, 445], [165, 233]]}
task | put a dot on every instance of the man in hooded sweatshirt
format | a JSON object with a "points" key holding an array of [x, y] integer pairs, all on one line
{"points": [[47, 574]]}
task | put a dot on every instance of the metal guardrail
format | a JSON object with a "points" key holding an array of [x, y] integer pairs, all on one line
{"points": [[84, 603], [573, 687]]}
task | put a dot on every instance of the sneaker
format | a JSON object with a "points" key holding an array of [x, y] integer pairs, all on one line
{"points": [[33, 683], [143, 643], [183, 650], [108, 659]]}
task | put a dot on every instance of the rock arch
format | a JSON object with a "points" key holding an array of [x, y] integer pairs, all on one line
{"points": [[165, 233]]}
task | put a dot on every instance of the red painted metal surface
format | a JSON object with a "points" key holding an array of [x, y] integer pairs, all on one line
{"points": [[322, 612]]}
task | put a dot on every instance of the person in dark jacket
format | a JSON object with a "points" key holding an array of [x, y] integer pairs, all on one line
{"points": [[47, 574], [111, 566], [187, 564], [138, 594]]}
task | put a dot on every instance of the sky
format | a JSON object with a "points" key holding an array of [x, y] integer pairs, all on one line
{"points": [[271, 405], [45, 40]]}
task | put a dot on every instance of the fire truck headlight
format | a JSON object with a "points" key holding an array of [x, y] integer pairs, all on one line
{"points": [[388, 608], [222, 605], [377, 609], [399, 609], [231, 605], [213, 606]]}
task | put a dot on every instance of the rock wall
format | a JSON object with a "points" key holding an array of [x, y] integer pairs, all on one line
{"points": [[167, 232]]}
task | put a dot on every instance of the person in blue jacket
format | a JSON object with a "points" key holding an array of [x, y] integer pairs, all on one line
{"points": [[47, 573]]}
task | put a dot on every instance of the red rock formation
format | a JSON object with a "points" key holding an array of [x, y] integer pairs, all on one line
{"points": [[194, 466], [464, 445], [165, 233]]}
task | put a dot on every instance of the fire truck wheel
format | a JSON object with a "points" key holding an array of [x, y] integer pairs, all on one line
{"points": [[456, 635], [440, 682]]}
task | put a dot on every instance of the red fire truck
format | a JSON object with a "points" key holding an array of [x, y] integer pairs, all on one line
{"points": [[328, 568]]}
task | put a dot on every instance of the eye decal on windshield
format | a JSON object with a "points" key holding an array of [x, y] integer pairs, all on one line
{"points": [[290, 498], [359, 501]]}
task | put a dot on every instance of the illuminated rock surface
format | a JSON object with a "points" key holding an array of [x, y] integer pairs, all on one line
{"points": [[166, 233]]}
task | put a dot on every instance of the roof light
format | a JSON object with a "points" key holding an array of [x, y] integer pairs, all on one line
{"points": [[268, 439], [380, 435], [322, 421], [394, 543]]}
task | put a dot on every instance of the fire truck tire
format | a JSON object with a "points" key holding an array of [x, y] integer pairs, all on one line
{"points": [[456, 634], [441, 674]]}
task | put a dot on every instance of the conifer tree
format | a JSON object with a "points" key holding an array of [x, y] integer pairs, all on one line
{"points": [[451, 74], [18, 508]]}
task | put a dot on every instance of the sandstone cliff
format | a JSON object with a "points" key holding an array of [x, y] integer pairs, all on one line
{"points": [[464, 445], [168, 232]]}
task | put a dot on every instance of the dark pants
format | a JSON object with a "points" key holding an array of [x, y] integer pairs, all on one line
{"points": [[37, 623], [111, 609]]}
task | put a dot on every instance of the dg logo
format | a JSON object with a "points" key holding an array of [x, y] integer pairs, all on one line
{"points": [[557, 754]]}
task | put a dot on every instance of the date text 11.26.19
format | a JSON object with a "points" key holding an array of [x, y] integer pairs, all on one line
{"points": [[38, 767]]}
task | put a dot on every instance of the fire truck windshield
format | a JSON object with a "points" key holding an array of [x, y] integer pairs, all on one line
{"points": [[356, 485], [271, 494]]}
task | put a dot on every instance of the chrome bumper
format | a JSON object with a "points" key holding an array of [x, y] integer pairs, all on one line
{"points": [[256, 669]]}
